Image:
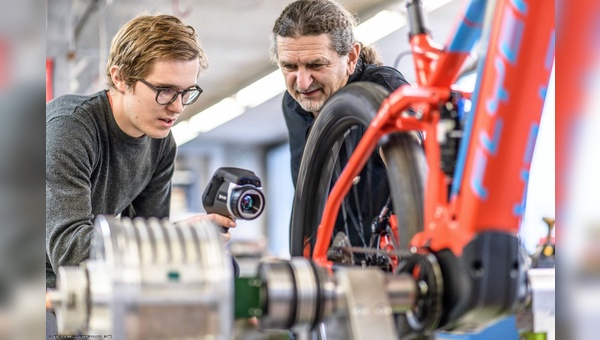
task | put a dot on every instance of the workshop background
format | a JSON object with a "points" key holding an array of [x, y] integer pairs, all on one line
{"points": [[238, 121]]}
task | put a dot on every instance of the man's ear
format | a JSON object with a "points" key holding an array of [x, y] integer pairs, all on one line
{"points": [[353, 57], [115, 75]]}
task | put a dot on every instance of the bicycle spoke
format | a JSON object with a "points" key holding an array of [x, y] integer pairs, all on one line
{"points": [[359, 227]]}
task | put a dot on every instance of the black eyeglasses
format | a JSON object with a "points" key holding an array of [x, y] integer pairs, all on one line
{"points": [[167, 95]]}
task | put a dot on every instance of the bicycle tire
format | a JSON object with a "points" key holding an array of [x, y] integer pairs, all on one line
{"points": [[351, 109]]}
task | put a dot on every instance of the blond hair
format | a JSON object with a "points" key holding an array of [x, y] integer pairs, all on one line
{"points": [[143, 41]]}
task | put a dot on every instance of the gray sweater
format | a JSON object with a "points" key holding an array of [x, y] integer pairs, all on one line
{"points": [[93, 168]]}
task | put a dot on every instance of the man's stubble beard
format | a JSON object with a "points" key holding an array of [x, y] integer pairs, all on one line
{"points": [[312, 107]]}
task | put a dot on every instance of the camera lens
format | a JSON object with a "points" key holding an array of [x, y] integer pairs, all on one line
{"points": [[247, 203]]}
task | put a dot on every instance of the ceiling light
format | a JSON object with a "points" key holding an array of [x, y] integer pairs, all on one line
{"points": [[183, 132], [379, 26], [206, 120], [216, 115], [261, 90]]}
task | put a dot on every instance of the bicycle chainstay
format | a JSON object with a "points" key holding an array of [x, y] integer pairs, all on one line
{"points": [[401, 253]]}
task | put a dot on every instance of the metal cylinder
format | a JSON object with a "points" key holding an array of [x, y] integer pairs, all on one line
{"points": [[297, 295], [149, 279], [402, 292], [278, 294], [70, 299], [307, 296]]}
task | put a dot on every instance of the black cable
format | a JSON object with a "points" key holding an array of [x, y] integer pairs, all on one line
{"points": [[400, 56]]}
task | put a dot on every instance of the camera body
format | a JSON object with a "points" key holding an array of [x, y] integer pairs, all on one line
{"points": [[235, 193]]}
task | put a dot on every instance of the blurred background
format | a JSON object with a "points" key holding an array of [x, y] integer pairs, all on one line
{"points": [[22, 170]]}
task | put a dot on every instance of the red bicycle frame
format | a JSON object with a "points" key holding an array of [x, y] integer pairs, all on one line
{"points": [[497, 148]]}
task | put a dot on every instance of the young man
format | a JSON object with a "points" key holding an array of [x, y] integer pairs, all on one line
{"points": [[313, 44], [113, 152]]}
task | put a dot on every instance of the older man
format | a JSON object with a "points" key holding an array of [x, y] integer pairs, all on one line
{"points": [[313, 44]]}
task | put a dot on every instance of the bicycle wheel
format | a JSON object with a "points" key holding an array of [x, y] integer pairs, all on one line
{"points": [[333, 137]]}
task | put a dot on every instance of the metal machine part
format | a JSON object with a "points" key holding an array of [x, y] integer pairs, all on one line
{"points": [[352, 303], [337, 253], [72, 296], [365, 304], [148, 279], [296, 295], [154, 279], [426, 313]]}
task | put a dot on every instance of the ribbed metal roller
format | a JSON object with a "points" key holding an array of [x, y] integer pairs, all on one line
{"points": [[152, 279]]}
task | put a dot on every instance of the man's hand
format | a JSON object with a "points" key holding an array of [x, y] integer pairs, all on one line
{"points": [[223, 221]]}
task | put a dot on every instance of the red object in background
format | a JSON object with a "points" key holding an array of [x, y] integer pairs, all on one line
{"points": [[4, 61], [49, 79]]}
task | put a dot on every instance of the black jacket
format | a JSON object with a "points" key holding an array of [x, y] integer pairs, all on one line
{"points": [[299, 121], [373, 189]]}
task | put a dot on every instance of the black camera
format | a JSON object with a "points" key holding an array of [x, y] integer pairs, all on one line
{"points": [[235, 193]]}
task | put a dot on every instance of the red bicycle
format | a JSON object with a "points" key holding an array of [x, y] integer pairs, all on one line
{"points": [[457, 195]]}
